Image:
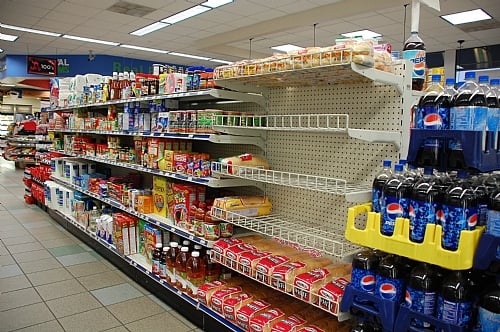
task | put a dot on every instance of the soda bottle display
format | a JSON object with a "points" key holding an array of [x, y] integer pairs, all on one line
{"points": [[469, 111], [364, 265], [493, 219], [489, 311], [195, 273], [454, 301], [423, 205], [421, 291], [378, 184], [155, 267], [389, 282], [414, 50], [482, 194], [460, 211], [493, 111], [433, 108], [394, 200]]}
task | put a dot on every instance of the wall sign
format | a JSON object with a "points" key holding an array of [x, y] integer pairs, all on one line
{"points": [[42, 66]]}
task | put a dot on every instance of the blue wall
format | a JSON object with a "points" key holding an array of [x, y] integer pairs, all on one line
{"points": [[71, 65]]}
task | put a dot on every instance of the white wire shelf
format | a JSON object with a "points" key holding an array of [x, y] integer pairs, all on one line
{"points": [[327, 240], [295, 180], [319, 123]]}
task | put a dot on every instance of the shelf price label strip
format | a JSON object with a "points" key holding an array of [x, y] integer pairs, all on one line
{"points": [[148, 218]]}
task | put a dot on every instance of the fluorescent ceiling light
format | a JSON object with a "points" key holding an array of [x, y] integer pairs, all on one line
{"points": [[220, 61], [287, 48], [40, 32], [467, 17], [144, 48], [6, 37], [91, 40], [216, 3], [365, 34], [149, 28], [189, 56], [193, 11]]}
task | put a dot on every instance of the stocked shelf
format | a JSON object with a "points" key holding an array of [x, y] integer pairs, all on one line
{"points": [[327, 240], [352, 192], [399, 243], [164, 223], [213, 138], [329, 305], [201, 95], [139, 262], [344, 72], [315, 123], [206, 181], [31, 139]]}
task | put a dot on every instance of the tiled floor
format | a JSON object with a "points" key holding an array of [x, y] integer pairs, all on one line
{"points": [[51, 281]]}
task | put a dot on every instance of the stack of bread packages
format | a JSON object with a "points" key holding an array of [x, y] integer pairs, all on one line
{"points": [[295, 278]]}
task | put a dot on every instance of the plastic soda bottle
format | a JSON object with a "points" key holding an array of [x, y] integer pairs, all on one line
{"points": [[394, 202], [454, 301], [414, 50], [378, 184]]}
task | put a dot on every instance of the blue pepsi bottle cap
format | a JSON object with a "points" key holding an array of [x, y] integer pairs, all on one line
{"points": [[436, 78], [387, 163], [495, 81], [412, 167], [428, 170], [450, 81], [402, 161], [460, 84], [483, 79], [398, 168], [462, 174], [470, 75]]}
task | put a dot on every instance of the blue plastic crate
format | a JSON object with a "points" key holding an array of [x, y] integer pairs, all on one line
{"points": [[406, 316], [486, 251]]}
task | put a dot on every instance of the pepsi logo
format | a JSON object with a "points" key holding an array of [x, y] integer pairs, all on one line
{"points": [[433, 120], [419, 64], [387, 291], [408, 299], [367, 283], [394, 210], [411, 212], [472, 221], [440, 216]]}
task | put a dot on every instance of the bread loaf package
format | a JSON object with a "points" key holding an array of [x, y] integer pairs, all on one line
{"points": [[232, 254], [233, 304], [248, 311], [206, 290], [284, 274], [220, 246], [249, 206], [249, 260], [330, 294], [299, 319], [307, 284], [218, 297], [282, 307], [265, 267], [327, 324], [237, 165]]}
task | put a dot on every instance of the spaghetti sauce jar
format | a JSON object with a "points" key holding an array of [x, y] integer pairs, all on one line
{"points": [[211, 228]]}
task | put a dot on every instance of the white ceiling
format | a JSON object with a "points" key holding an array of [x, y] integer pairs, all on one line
{"points": [[225, 32]]}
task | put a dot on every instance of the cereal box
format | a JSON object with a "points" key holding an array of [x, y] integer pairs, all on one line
{"points": [[160, 196]]}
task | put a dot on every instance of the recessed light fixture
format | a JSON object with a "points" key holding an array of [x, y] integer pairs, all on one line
{"points": [[39, 32], [216, 3], [220, 61], [149, 28], [11, 38], [287, 48], [190, 12], [91, 40], [467, 17], [147, 49], [365, 34], [189, 56]]}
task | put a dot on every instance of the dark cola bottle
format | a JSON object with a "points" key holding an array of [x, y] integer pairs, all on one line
{"points": [[414, 50]]}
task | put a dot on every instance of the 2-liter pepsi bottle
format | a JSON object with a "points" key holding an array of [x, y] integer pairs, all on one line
{"points": [[394, 200], [378, 185], [454, 301], [414, 50]]}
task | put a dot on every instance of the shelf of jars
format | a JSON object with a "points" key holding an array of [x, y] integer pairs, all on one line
{"points": [[139, 262], [190, 96], [213, 138], [326, 240], [352, 192], [281, 72], [164, 223], [207, 181], [315, 123]]}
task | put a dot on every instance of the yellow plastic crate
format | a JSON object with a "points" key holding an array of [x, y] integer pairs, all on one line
{"points": [[399, 243]]}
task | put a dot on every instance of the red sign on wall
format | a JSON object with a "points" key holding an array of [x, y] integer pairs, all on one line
{"points": [[42, 66]]}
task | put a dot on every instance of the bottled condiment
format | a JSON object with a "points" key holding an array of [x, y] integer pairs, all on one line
{"points": [[199, 220], [170, 260], [163, 263], [181, 269], [192, 216], [212, 268], [155, 268], [195, 273], [211, 228]]}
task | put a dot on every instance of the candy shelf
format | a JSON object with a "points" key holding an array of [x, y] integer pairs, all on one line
{"points": [[201, 95], [207, 181], [335, 305], [152, 218], [319, 123], [399, 243], [472, 142], [213, 138], [322, 238], [139, 263], [352, 192]]}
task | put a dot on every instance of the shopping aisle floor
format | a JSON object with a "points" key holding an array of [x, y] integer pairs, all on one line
{"points": [[51, 281]]}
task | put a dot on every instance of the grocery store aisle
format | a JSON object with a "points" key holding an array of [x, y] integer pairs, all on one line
{"points": [[51, 281]]}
